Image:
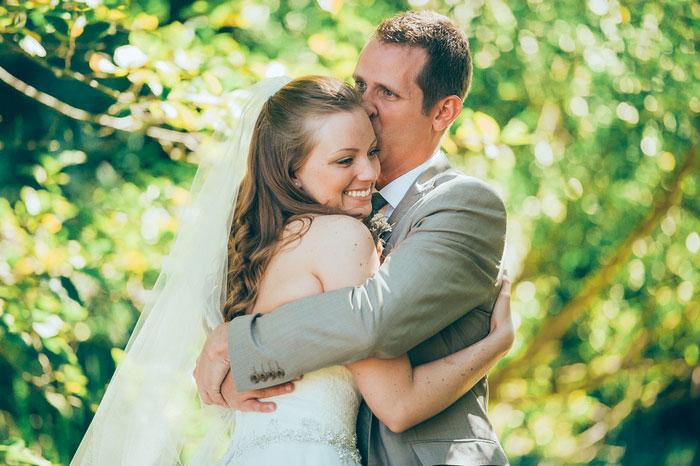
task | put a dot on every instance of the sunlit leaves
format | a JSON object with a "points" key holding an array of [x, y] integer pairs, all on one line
{"points": [[101, 63], [580, 115], [32, 46], [129, 56], [144, 21]]}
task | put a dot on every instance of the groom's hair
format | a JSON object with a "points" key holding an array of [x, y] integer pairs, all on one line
{"points": [[448, 67]]}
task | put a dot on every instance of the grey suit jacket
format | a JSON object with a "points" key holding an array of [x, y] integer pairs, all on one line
{"points": [[433, 295]]}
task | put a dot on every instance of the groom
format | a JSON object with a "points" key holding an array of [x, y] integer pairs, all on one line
{"points": [[434, 293]]}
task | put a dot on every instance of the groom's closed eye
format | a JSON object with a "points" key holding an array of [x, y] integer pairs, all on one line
{"points": [[388, 92]]}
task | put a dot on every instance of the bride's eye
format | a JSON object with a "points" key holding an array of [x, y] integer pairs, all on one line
{"points": [[373, 152], [346, 161]]}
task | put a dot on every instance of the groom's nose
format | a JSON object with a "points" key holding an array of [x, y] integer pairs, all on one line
{"points": [[370, 108]]}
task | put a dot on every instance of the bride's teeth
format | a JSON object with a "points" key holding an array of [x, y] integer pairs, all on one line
{"points": [[364, 193]]}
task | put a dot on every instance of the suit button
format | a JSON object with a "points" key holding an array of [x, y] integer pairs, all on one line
{"points": [[254, 378], [280, 373], [263, 376], [271, 375]]}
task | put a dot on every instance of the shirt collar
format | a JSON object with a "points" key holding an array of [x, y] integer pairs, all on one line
{"points": [[395, 191]]}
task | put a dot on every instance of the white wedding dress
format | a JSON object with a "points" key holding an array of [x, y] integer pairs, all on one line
{"points": [[313, 425], [144, 417]]}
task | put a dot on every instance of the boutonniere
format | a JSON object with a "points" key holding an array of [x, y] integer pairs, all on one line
{"points": [[378, 226]]}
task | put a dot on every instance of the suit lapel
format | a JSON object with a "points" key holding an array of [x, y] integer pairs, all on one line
{"points": [[423, 185]]}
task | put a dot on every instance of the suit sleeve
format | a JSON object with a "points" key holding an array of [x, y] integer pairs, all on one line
{"points": [[447, 265]]}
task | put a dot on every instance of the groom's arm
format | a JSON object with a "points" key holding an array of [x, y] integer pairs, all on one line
{"points": [[447, 265]]}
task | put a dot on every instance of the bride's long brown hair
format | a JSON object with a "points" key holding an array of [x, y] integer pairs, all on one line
{"points": [[268, 199]]}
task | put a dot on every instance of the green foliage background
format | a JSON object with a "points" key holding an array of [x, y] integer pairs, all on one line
{"points": [[584, 116]]}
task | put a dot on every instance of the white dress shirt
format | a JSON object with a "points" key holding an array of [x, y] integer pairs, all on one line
{"points": [[395, 191]]}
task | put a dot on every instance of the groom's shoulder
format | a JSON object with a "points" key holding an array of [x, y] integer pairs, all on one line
{"points": [[453, 186]]}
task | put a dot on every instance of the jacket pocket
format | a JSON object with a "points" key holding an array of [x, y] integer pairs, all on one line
{"points": [[464, 452]]}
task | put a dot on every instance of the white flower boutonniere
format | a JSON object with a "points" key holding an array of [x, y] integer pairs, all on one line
{"points": [[378, 226]]}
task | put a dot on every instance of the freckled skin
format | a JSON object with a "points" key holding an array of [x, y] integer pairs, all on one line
{"points": [[345, 158]]}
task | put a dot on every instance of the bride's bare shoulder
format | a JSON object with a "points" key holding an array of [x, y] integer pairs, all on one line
{"points": [[326, 231], [320, 234], [339, 229], [341, 250]]}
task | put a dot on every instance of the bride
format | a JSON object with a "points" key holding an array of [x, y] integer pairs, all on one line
{"points": [[296, 230]]}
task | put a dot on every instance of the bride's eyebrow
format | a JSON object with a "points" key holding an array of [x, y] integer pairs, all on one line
{"points": [[346, 149], [353, 149]]}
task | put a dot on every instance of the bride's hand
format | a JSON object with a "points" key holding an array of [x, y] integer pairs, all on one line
{"points": [[501, 322]]}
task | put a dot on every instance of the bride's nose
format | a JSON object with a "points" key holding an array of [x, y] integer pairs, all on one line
{"points": [[366, 170]]}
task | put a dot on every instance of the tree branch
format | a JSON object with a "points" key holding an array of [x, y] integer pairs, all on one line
{"points": [[60, 73], [128, 123], [630, 362], [554, 327], [590, 441], [71, 43]]}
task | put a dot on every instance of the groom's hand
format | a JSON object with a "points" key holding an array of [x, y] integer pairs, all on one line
{"points": [[212, 366], [249, 401], [215, 383]]}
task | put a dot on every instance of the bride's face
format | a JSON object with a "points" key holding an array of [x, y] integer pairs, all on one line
{"points": [[342, 168]]}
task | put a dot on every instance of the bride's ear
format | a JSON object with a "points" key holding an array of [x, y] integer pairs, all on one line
{"points": [[296, 182]]}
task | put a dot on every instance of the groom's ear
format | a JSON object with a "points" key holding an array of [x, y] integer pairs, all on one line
{"points": [[446, 111]]}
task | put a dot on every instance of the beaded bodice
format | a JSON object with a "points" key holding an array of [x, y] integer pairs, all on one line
{"points": [[322, 409]]}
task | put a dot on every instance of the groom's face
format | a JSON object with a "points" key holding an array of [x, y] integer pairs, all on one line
{"points": [[386, 75]]}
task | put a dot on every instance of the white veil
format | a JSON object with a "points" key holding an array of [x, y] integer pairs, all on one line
{"points": [[150, 414]]}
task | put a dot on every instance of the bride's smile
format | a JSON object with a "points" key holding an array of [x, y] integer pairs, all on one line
{"points": [[343, 165], [360, 195]]}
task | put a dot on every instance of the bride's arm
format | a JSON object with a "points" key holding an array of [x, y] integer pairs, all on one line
{"points": [[400, 395]]}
